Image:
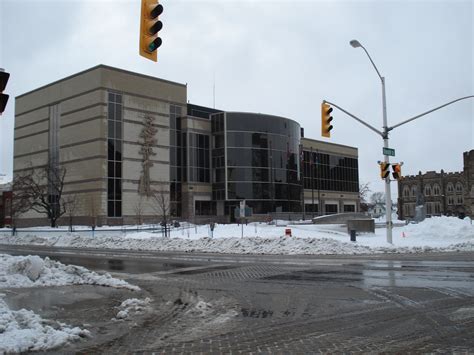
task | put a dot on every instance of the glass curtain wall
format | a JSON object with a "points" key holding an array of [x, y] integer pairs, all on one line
{"points": [[323, 171], [177, 150], [263, 164], [114, 160]]}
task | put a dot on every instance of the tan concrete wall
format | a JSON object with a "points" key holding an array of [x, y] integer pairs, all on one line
{"points": [[196, 124], [331, 148], [146, 86], [83, 101]]}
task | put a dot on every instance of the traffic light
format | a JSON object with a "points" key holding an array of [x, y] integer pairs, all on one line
{"points": [[384, 170], [326, 119], [397, 171], [149, 27], [3, 97]]}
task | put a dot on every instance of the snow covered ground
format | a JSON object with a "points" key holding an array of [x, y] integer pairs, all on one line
{"points": [[434, 234], [23, 330]]}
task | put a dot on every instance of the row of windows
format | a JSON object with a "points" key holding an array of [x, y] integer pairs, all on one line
{"points": [[217, 122], [262, 158], [199, 161], [316, 158], [263, 191], [261, 140], [259, 207], [114, 155], [331, 185], [434, 190], [177, 159], [324, 172], [261, 175]]}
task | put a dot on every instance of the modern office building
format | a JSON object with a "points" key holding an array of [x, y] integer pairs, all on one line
{"points": [[124, 138], [440, 193]]}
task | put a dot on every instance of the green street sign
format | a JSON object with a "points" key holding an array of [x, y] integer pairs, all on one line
{"points": [[389, 151]]}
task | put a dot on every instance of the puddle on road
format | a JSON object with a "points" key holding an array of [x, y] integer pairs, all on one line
{"points": [[136, 266], [319, 276]]}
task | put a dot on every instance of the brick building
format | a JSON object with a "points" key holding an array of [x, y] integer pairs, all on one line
{"points": [[442, 193]]}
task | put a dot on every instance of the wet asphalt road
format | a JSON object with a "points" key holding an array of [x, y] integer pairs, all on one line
{"points": [[209, 303]]}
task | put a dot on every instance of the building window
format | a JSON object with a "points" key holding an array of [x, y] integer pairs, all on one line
{"points": [[450, 188], [437, 207], [329, 172], [406, 210], [450, 200], [331, 208], [199, 158], [459, 188], [177, 159], [114, 159], [429, 208], [205, 208], [428, 190], [406, 191], [349, 208], [436, 190], [460, 200], [413, 191]]}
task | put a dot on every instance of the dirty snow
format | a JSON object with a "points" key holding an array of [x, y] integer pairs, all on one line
{"points": [[131, 307], [434, 234], [33, 271], [23, 330]]}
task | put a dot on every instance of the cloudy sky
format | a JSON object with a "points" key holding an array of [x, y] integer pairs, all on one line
{"points": [[275, 57]]}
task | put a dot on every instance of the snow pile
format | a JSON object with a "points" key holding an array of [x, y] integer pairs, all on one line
{"points": [[32, 271], [434, 234], [132, 306], [441, 228], [25, 331]]}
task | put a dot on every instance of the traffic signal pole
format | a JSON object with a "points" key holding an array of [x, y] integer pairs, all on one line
{"points": [[388, 196]]}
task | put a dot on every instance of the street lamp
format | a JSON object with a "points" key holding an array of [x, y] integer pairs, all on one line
{"points": [[388, 198]]}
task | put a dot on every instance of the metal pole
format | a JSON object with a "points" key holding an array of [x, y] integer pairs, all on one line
{"points": [[388, 197], [311, 162], [318, 179]]}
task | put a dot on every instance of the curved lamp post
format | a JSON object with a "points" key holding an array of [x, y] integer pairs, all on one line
{"points": [[388, 198]]}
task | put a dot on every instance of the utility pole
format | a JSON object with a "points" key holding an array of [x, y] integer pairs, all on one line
{"points": [[384, 134]]}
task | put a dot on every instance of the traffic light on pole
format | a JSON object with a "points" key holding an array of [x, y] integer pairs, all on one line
{"points": [[326, 119], [384, 170], [397, 171], [149, 27], [3, 83]]}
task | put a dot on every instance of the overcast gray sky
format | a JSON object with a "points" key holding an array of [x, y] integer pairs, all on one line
{"points": [[276, 57]]}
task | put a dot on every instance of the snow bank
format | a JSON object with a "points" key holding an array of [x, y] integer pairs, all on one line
{"points": [[434, 234], [24, 330], [32, 271]]}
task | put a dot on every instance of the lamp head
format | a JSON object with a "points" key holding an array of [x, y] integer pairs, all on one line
{"points": [[355, 43]]}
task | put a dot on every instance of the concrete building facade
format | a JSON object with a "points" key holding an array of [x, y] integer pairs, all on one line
{"points": [[125, 138], [441, 193]]}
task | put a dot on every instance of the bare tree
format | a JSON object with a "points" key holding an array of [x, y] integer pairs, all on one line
{"points": [[377, 198], [364, 190], [161, 205], [21, 199], [45, 190], [139, 209], [70, 203]]}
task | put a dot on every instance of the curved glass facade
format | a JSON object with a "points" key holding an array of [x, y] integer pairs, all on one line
{"points": [[261, 161]]}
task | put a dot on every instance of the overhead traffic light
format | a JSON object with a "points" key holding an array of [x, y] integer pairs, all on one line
{"points": [[3, 83], [326, 119], [397, 171], [384, 170], [149, 27]]}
